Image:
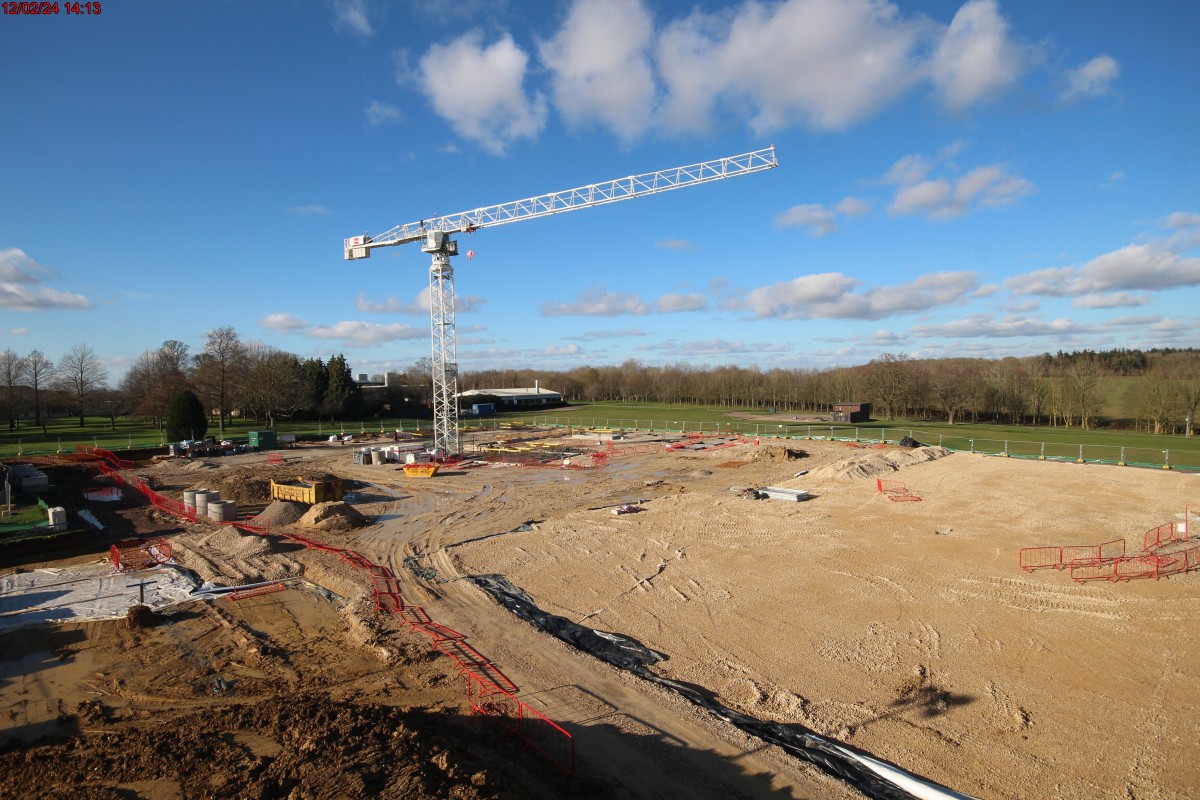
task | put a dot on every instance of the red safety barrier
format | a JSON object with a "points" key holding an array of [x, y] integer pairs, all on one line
{"points": [[539, 732], [1041, 557], [1163, 534], [1093, 552], [896, 491], [255, 591], [1126, 569], [493, 695], [548, 738], [1092, 570], [635, 449], [139, 553], [106, 455]]}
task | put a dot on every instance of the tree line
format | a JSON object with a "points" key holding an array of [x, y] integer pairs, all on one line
{"points": [[1061, 390], [264, 383], [227, 376]]}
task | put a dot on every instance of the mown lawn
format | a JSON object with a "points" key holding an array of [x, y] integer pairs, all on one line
{"points": [[1098, 445]]}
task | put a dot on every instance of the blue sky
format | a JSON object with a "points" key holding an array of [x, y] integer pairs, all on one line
{"points": [[978, 179]]}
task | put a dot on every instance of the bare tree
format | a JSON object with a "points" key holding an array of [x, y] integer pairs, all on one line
{"points": [[954, 387], [156, 379], [1184, 369], [1155, 399], [218, 370], [890, 379], [1083, 386], [12, 373], [274, 383], [80, 373], [39, 371]]}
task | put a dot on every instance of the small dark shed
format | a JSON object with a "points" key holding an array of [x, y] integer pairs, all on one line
{"points": [[851, 412]]}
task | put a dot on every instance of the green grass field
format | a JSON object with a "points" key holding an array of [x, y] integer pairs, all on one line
{"points": [[1104, 445]]}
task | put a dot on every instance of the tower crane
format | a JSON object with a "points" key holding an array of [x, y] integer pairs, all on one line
{"points": [[435, 238]]}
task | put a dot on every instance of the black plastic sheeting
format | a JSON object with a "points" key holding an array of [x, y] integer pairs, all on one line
{"points": [[631, 655]]}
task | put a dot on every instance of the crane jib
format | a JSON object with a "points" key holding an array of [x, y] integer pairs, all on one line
{"points": [[588, 196]]}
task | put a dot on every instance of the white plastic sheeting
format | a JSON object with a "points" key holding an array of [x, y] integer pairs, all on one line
{"points": [[86, 592]]}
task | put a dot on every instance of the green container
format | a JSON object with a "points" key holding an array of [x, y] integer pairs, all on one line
{"points": [[263, 440]]}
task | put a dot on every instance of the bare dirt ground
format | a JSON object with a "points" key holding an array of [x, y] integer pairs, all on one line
{"points": [[903, 629]]}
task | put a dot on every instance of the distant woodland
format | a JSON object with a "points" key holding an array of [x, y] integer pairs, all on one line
{"points": [[1154, 390]]}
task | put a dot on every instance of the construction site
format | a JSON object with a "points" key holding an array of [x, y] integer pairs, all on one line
{"points": [[566, 613]]}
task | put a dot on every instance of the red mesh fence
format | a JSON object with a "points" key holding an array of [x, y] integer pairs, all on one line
{"points": [[139, 553], [896, 491], [1093, 552], [1032, 558], [1164, 534]]}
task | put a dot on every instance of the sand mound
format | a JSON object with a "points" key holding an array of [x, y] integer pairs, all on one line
{"points": [[334, 516], [282, 512], [875, 463]]}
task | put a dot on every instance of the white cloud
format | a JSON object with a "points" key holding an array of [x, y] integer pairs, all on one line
{"points": [[1146, 267], [596, 302], [908, 170], [21, 331], [365, 334], [678, 245], [558, 350], [21, 286], [378, 113], [1186, 230], [600, 68], [817, 218], [985, 326], [927, 196], [282, 322], [619, 333], [976, 59], [1115, 300], [350, 16], [843, 60], [420, 304], [479, 91], [989, 186], [853, 207], [1112, 180], [1182, 219], [671, 302], [821, 220], [831, 295], [309, 211], [1092, 79]]}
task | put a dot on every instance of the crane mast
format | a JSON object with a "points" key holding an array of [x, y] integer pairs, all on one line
{"points": [[435, 237]]}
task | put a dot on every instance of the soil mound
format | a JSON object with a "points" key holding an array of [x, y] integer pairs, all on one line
{"points": [[333, 516], [776, 453], [873, 464], [248, 485], [140, 616]]}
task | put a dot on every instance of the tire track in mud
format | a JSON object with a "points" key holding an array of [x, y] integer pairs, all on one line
{"points": [[1028, 595]]}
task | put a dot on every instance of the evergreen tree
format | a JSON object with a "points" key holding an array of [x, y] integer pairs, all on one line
{"points": [[186, 418], [343, 397]]}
